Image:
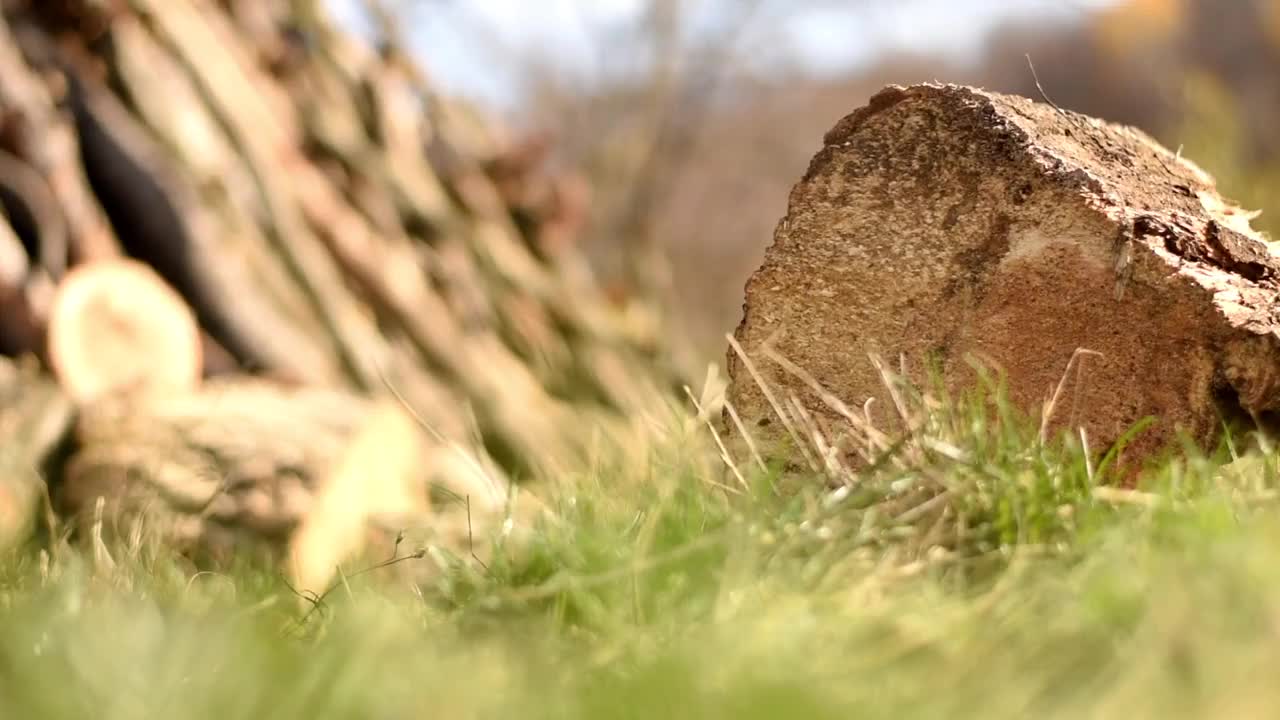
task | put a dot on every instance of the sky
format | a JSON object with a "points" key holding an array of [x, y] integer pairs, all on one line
{"points": [[463, 42]]}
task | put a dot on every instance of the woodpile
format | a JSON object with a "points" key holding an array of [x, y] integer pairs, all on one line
{"points": [[235, 232], [947, 227]]}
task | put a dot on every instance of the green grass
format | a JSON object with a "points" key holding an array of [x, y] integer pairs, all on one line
{"points": [[975, 573]]}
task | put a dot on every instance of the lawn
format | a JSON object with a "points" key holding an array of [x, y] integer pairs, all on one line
{"points": [[976, 572]]}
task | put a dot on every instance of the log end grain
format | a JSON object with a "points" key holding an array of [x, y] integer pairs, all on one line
{"points": [[115, 326]]}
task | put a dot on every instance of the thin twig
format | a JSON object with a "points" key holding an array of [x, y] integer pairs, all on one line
{"points": [[1036, 77], [318, 601]]}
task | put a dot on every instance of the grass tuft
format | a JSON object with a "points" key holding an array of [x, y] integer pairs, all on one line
{"points": [[976, 569]]}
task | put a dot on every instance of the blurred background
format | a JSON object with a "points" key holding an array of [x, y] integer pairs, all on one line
{"points": [[689, 120], [256, 219]]}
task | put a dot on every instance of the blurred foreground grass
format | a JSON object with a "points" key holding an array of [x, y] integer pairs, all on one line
{"points": [[979, 574]]}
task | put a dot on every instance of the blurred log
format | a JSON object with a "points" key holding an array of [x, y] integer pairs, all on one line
{"points": [[189, 243], [35, 419], [306, 477], [336, 229], [378, 474], [29, 203], [19, 326], [35, 129], [235, 463], [116, 326]]}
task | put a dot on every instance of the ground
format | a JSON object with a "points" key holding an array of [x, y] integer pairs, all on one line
{"points": [[978, 572]]}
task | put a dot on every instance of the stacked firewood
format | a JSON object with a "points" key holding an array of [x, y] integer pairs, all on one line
{"points": [[244, 248]]}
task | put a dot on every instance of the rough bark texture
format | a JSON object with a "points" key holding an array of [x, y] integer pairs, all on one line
{"points": [[947, 222]]}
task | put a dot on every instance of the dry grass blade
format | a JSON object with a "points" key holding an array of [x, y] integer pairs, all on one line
{"points": [[910, 420], [828, 452], [1077, 358], [1088, 458], [773, 401], [875, 440], [746, 436], [1120, 496], [724, 451], [913, 514]]}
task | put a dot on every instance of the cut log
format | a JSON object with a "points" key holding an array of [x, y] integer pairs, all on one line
{"points": [[312, 211], [943, 223], [244, 465], [116, 325]]}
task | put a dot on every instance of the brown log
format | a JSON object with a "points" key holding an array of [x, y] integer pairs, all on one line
{"points": [[263, 126], [30, 202], [251, 464], [34, 129], [223, 268], [943, 223], [20, 328]]}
